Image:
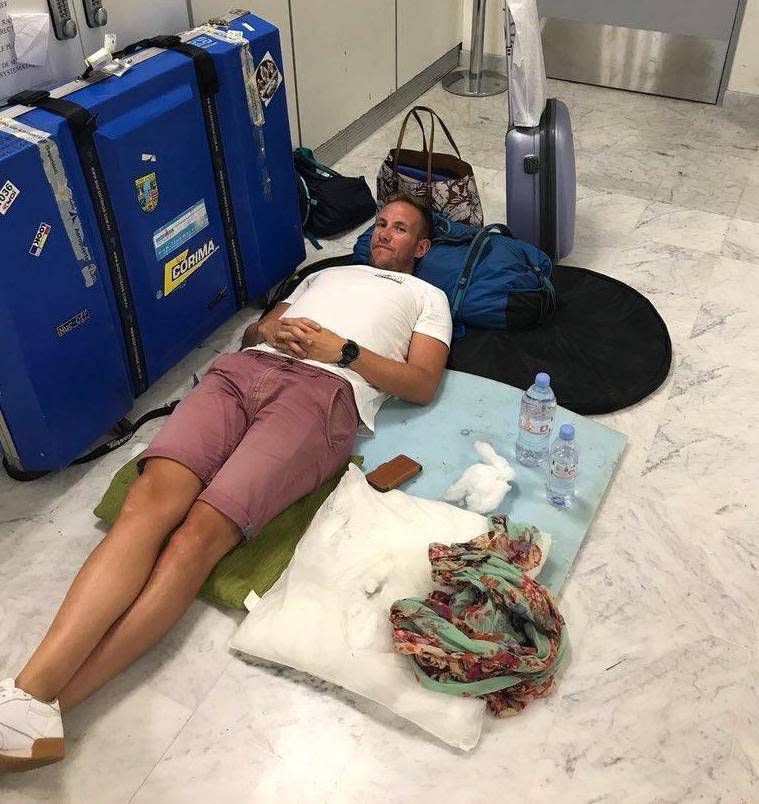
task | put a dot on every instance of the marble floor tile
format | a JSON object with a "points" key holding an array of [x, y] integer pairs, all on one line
{"points": [[112, 743], [265, 734], [685, 228], [742, 241], [622, 161], [748, 206], [654, 726], [704, 176], [605, 218]]}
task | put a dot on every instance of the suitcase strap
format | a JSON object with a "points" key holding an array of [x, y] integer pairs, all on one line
{"points": [[208, 84], [124, 432], [82, 126]]}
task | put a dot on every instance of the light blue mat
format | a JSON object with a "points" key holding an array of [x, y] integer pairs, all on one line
{"points": [[441, 437]]}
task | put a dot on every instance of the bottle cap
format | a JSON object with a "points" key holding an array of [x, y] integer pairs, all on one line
{"points": [[542, 380], [567, 432]]}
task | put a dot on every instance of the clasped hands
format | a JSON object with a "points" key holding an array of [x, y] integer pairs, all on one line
{"points": [[303, 338]]}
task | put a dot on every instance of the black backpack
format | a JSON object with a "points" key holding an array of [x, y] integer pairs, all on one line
{"points": [[329, 203]]}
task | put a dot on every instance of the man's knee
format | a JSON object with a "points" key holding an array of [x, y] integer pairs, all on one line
{"points": [[164, 492], [205, 536]]}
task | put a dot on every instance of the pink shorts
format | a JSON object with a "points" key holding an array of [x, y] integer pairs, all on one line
{"points": [[259, 431]]}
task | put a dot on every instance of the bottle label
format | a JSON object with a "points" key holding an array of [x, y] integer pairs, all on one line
{"points": [[563, 471], [536, 418]]}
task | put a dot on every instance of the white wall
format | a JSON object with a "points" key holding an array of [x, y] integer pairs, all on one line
{"points": [[743, 78], [745, 73]]}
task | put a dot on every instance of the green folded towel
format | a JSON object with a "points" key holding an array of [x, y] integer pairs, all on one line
{"points": [[256, 564]]}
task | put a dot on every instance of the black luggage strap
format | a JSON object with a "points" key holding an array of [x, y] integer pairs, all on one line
{"points": [[124, 432], [82, 125], [208, 84]]}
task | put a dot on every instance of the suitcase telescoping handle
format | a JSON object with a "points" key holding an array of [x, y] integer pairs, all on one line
{"points": [[509, 30], [433, 116]]}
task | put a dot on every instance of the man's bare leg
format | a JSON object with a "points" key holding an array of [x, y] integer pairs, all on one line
{"points": [[112, 576], [182, 567]]}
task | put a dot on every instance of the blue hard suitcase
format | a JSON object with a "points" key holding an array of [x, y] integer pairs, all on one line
{"points": [[63, 373], [184, 186]]}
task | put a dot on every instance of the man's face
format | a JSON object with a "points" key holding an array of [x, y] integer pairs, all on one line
{"points": [[397, 238]]}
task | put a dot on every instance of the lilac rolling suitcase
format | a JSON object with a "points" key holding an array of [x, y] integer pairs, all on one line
{"points": [[540, 179]]}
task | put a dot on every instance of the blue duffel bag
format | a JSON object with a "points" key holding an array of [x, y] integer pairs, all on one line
{"points": [[492, 279]]}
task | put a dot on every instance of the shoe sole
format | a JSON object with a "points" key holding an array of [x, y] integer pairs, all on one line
{"points": [[45, 751]]}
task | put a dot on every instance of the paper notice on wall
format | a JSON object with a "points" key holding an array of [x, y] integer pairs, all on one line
{"points": [[31, 33], [15, 74]]}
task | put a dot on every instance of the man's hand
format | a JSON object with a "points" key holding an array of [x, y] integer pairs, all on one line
{"points": [[291, 335], [324, 346]]}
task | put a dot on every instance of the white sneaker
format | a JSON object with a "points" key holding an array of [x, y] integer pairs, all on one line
{"points": [[31, 731]]}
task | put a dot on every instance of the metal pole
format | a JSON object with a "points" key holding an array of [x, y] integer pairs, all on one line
{"points": [[476, 82], [476, 46]]}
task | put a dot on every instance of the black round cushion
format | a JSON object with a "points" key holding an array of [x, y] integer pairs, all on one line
{"points": [[606, 348]]}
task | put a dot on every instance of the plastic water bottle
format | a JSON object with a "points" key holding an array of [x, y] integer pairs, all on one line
{"points": [[562, 468], [536, 414]]}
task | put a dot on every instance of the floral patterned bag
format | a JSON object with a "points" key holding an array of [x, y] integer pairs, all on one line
{"points": [[445, 182]]}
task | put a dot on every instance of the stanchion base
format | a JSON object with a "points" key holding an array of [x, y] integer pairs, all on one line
{"points": [[462, 82]]}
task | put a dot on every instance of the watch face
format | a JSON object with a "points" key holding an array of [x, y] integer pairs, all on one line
{"points": [[349, 353]]}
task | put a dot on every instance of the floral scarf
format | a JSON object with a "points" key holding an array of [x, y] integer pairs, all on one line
{"points": [[493, 632]]}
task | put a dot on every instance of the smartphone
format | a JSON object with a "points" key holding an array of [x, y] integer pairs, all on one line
{"points": [[391, 474]]}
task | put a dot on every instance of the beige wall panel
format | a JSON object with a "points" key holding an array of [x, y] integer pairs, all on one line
{"points": [[345, 62], [427, 29], [744, 76]]}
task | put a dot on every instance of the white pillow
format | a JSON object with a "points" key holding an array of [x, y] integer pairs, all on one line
{"points": [[327, 615]]}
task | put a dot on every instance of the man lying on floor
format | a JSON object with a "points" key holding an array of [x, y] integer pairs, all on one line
{"points": [[265, 426]]}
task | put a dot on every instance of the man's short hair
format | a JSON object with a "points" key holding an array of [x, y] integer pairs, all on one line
{"points": [[428, 222]]}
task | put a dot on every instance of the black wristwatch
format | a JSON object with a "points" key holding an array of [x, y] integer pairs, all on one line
{"points": [[349, 353]]}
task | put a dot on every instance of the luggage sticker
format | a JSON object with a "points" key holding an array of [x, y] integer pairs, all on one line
{"points": [[179, 268], [147, 191], [90, 275], [255, 107], [40, 239], [268, 78], [8, 194], [73, 322], [178, 231]]}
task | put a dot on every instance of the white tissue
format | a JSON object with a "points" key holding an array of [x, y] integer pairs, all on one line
{"points": [[30, 38], [483, 485]]}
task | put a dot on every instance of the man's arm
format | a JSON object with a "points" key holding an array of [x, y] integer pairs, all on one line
{"points": [[289, 335], [253, 334], [416, 380]]}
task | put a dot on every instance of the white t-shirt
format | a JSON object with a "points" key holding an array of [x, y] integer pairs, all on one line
{"points": [[379, 310]]}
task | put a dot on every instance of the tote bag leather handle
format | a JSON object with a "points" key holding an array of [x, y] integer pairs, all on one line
{"points": [[433, 116]]}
